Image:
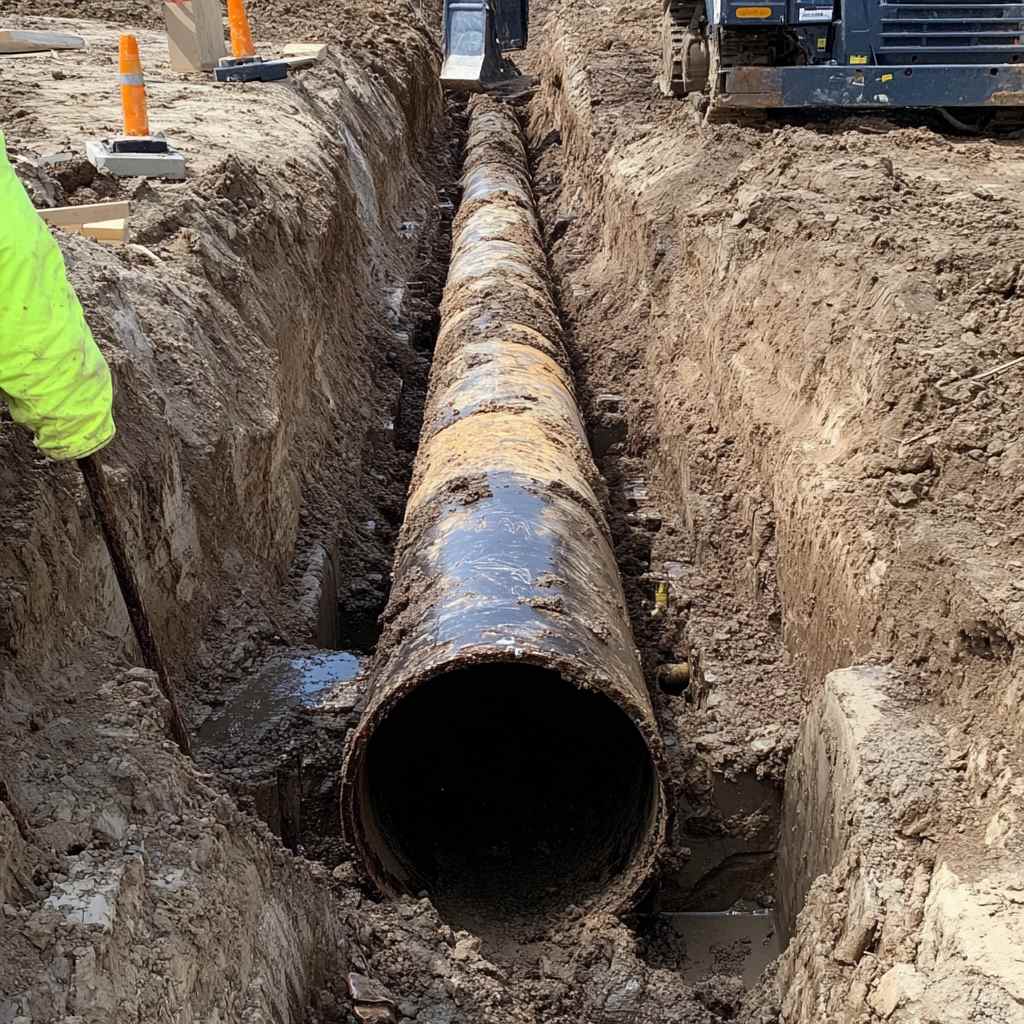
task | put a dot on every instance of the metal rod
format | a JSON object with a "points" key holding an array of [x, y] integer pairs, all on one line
{"points": [[128, 582]]}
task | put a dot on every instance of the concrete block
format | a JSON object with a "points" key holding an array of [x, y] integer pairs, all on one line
{"points": [[135, 165], [255, 70]]}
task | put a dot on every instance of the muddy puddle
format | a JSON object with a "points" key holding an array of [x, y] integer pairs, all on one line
{"points": [[288, 682], [741, 943]]}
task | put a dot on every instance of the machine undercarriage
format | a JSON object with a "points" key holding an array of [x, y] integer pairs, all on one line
{"points": [[737, 61]]}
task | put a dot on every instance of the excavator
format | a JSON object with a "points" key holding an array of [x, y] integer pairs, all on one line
{"points": [[738, 59], [477, 34], [964, 60]]}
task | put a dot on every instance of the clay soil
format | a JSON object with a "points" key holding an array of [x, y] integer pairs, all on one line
{"points": [[788, 344]]}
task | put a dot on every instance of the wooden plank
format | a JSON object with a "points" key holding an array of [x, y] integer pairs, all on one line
{"points": [[314, 50], [33, 54], [109, 231], [89, 213], [295, 63], [12, 41], [195, 34]]}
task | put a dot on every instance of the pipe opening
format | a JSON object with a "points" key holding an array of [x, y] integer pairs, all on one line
{"points": [[503, 790]]}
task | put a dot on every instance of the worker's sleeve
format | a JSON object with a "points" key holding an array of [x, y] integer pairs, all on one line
{"points": [[52, 373]]}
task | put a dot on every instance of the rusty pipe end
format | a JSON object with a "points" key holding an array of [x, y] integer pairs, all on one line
{"points": [[504, 787]]}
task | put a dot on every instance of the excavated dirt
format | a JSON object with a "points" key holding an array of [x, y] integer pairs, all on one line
{"points": [[784, 337], [343, 22], [790, 347]]}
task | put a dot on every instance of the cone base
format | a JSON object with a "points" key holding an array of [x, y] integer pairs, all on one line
{"points": [[139, 144], [102, 155], [250, 69]]}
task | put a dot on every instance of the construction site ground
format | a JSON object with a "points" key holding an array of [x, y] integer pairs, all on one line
{"points": [[794, 350]]}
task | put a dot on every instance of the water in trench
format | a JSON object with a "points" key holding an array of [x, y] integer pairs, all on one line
{"points": [[740, 943], [286, 682]]}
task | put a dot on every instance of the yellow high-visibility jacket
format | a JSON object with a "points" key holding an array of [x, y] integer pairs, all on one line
{"points": [[52, 374]]}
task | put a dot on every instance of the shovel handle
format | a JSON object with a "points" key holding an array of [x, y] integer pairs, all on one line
{"points": [[128, 583]]}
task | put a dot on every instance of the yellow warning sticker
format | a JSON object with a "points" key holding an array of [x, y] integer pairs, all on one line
{"points": [[822, 42], [886, 78], [858, 58]]}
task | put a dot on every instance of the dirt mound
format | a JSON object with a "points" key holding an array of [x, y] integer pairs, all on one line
{"points": [[349, 22]]}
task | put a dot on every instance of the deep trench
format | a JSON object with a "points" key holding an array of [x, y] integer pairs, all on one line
{"points": [[504, 789], [719, 881], [469, 776]]}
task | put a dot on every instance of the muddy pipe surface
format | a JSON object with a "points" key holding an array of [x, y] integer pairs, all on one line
{"points": [[507, 761]]}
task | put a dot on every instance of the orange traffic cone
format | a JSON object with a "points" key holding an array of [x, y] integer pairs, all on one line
{"points": [[137, 153], [241, 35], [133, 89], [245, 66]]}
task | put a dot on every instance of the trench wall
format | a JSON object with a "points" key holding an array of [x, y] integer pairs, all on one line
{"points": [[805, 395], [255, 335], [759, 320], [256, 329], [885, 922]]}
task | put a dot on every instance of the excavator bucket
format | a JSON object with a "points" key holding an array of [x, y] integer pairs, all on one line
{"points": [[472, 55], [476, 33]]}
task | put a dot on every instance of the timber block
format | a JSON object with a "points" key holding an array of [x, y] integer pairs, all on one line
{"points": [[195, 34]]}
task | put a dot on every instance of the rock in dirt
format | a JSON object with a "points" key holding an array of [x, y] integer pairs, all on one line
{"points": [[900, 984], [366, 990], [378, 1014]]}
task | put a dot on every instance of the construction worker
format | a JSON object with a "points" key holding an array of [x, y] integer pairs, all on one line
{"points": [[52, 374]]}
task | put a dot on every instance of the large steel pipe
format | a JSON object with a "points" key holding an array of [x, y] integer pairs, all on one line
{"points": [[508, 759]]}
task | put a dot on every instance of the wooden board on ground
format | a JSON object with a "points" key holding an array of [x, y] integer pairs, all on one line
{"points": [[106, 222], [24, 41], [115, 231], [88, 213], [195, 34], [311, 50], [296, 63], [36, 54]]}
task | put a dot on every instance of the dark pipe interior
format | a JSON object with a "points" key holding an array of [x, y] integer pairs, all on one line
{"points": [[504, 790]]}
